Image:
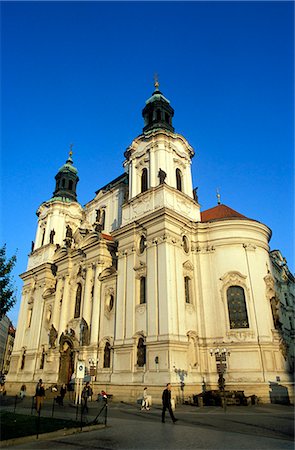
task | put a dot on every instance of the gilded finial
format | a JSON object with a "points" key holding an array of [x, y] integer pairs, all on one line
{"points": [[71, 150], [218, 196], [156, 83]]}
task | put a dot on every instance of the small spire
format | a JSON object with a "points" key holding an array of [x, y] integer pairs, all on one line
{"points": [[156, 81], [71, 150], [218, 196]]}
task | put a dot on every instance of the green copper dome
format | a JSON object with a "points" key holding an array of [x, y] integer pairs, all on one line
{"points": [[66, 182], [157, 112]]}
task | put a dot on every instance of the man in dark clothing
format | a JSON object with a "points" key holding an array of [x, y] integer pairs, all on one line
{"points": [[86, 393], [39, 395], [166, 400]]}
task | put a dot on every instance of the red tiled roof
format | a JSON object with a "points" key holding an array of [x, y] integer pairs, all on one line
{"points": [[107, 237], [220, 212]]}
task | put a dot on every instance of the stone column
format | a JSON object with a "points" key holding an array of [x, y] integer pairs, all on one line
{"points": [[57, 303], [95, 316], [66, 310], [87, 295]]}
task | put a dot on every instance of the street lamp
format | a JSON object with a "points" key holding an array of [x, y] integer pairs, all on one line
{"points": [[221, 355]]}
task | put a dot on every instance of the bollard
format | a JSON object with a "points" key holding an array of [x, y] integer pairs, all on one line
{"points": [[106, 413], [15, 402], [53, 404]]}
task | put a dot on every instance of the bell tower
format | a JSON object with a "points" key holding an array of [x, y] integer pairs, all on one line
{"points": [[158, 163]]}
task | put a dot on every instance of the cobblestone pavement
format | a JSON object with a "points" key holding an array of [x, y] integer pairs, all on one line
{"points": [[253, 427]]}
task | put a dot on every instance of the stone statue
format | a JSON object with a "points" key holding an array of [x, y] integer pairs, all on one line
{"points": [[69, 236], [51, 237], [195, 194], [100, 220], [69, 232], [84, 333], [162, 175], [52, 337], [32, 246]]}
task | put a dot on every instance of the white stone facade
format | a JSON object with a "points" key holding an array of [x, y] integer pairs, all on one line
{"points": [[144, 297]]}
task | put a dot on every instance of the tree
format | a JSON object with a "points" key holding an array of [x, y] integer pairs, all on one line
{"points": [[7, 289]]}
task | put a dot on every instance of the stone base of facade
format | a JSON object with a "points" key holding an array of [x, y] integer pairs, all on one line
{"points": [[266, 392]]}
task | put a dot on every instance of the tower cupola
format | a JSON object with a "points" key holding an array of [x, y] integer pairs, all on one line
{"points": [[66, 182], [157, 112]]}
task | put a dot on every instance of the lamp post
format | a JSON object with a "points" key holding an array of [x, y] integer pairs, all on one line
{"points": [[92, 369], [221, 355]]}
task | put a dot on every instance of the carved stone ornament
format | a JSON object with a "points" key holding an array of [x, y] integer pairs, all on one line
{"points": [[140, 309], [188, 268], [140, 270], [240, 336], [270, 286]]}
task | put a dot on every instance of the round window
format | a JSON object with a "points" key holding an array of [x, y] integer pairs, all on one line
{"points": [[185, 244], [111, 302], [142, 244]]}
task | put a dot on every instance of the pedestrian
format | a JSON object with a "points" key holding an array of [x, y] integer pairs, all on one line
{"points": [[166, 400], [22, 392], [86, 393], [39, 395], [63, 391], [145, 400]]}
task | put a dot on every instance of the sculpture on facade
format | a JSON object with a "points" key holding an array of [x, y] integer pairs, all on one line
{"points": [[51, 237], [84, 333], [162, 175], [52, 337]]}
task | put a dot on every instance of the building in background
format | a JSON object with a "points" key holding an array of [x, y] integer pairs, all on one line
{"points": [[144, 287], [7, 333]]}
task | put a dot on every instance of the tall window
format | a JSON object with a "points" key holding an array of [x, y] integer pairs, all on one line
{"points": [[142, 290], [178, 180], [78, 301], [144, 180], [237, 309], [42, 361], [141, 353], [22, 366], [107, 356], [187, 289]]}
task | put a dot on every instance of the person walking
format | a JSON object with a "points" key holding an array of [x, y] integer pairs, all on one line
{"points": [[39, 395], [166, 400], [63, 391], [86, 393], [145, 400]]}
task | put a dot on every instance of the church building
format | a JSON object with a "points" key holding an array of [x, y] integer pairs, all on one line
{"points": [[144, 288]]}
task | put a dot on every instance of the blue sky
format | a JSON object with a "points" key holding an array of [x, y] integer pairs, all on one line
{"points": [[80, 72]]}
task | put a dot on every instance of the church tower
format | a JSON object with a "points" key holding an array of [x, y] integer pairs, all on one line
{"points": [[155, 271]]}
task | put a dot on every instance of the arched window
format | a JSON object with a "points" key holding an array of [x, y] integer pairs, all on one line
{"points": [[159, 115], [107, 356], [187, 289], [167, 118], [237, 309], [42, 361], [178, 180], [141, 353], [43, 237], [78, 301], [70, 184], [63, 183], [142, 290], [144, 180], [22, 366]]}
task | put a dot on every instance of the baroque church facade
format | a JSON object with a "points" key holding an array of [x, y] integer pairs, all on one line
{"points": [[146, 289]]}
